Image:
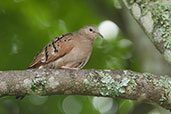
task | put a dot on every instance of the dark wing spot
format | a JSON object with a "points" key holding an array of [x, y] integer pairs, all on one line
{"points": [[46, 53], [69, 39], [58, 38], [53, 44]]}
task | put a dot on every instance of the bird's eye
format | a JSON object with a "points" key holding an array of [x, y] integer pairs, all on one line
{"points": [[90, 29]]}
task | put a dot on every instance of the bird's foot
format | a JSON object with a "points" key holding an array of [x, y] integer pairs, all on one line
{"points": [[65, 67], [20, 97]]}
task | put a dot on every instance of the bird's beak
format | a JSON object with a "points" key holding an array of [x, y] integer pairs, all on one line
{"points": [[100, 35]]}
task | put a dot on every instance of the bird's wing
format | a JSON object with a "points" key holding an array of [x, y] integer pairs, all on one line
{"points": [[56, 49]]}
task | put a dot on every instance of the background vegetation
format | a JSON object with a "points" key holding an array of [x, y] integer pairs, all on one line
{"points": [[26, 26]]}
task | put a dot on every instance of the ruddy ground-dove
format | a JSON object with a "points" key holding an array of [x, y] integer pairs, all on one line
{"points": [[67, 51]]}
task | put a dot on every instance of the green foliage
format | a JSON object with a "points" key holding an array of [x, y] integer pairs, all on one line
{"points": [[125, 106]]}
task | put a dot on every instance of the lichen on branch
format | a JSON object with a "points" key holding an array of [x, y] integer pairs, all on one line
{"points": [[107, 83], [154, 16]]}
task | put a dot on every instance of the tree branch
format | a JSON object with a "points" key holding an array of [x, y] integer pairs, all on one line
{"points": [[154, 16], [108, 83]]}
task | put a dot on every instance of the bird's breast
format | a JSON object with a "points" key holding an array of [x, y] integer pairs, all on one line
{"points": [[82, 49], [79, 55]]}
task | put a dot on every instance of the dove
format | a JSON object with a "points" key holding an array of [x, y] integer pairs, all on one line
{"points": [[68, 51]]}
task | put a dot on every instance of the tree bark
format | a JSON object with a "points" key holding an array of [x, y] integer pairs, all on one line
{"points": [[154, 16], [107, 83]]}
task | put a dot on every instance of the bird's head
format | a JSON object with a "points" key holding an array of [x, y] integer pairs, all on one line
{"points": [[90, 31]]}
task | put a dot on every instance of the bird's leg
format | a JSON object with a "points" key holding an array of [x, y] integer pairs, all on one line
{"points": [[65, 67]]}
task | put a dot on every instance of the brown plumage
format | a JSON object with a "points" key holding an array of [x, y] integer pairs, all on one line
{"points": [[68, 51]]}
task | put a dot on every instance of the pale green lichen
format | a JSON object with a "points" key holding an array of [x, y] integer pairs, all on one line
{"points": [[169, 98], [27, 83], [53, 83], [107, 85], [162, 99], [3, 87], [17, 86], [162, 21], [136, 11], [142, 4], [148, 76], [125, 81], [165, 83], [38, 85], [147, 22], [161, 16], [167, 55], [87, 81], [132, 83], [72, 83]]}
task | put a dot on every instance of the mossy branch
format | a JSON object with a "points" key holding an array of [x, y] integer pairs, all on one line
{"points": [[154, 16], [108, 83]]}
